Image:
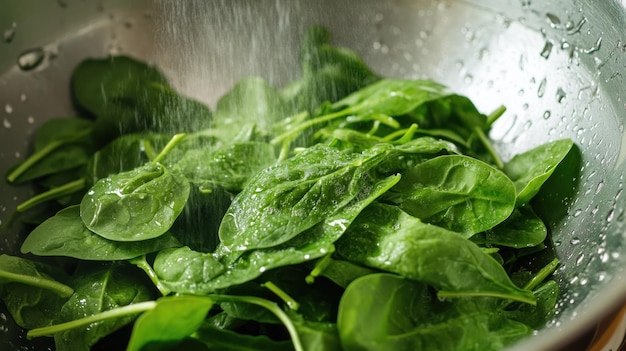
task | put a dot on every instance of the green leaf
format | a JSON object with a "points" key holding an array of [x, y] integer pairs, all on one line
{"points": [[386, 238], [529, 170], [65, 234], [98, 291], [184, 270], [136, 205], [34, 274], [309, 245], [170, 321], [387, 312], [96, 82], [31, 292], [226, 340], [456, 192], [250, 100], [522, 229], [284, 200], [229, 167]]}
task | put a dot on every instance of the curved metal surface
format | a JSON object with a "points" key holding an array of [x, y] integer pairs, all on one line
{"points": [[557, 65]]}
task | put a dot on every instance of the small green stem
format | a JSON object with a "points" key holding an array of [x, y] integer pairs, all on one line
{"points": [[54, 286], [270, 306], [307, 124], [542, 274], [141, 263], [114, 313], [493, 116], [454, 294], [170, 145], [319, 268], [492, 152], [290, 301], [54, 193], [33, 159], [41, 154]]}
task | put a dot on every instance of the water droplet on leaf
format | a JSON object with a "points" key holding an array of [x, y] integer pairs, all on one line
{"points": [[30, 59]]}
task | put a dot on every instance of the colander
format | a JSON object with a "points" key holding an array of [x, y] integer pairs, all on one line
{"points": [[558, 66]]}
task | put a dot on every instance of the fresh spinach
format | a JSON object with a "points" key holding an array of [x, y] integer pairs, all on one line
{"points": [[65, 234], [169, 322], [97, 291], [341, 211], [383, 311], [386, 238], [136, 205], [456, 192], [529, 170]]}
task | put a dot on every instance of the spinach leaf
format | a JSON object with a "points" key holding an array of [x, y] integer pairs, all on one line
{"points": [[522, 229], [386, 238], [329, 73], [31, 307], [251, 100], [309, 245], [170, 321], [97, 291], [31, 292], [226, 340], [456, 192], [229, 167], [184, 270], [65, 234], [537, 316], [136, 205], [384, 311], [96, 82], [343, 272], [34, 274], [124, 154], [284, 200], [60, 144], [529, 170], [391, 97]]}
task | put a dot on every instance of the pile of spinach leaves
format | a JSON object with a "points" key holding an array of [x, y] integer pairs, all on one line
{"points": [[345, 211]]}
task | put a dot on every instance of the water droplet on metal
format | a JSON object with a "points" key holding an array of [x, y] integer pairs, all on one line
{"points": [[23, 97], [468, 78], [595, 47], [6, 123], [541, 91], [30, 120], [8, 109], [9, 34], [575, 241], [553, 20], [560, 95], [30, 59], [547, 114], [547, 49], [572, 28]]}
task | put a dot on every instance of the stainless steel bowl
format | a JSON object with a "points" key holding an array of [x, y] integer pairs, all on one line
{"points": [[559, 67]]}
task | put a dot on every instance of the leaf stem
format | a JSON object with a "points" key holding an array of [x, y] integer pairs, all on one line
{"points": [[270, 306], [32, 160], [320, 266], [290, 301], [114, 313], [542, 274], [169, 146], [54, 193], [141, 263], [48, 284], [493, 116], [492, 152], [514, 297], [309, 123]]}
